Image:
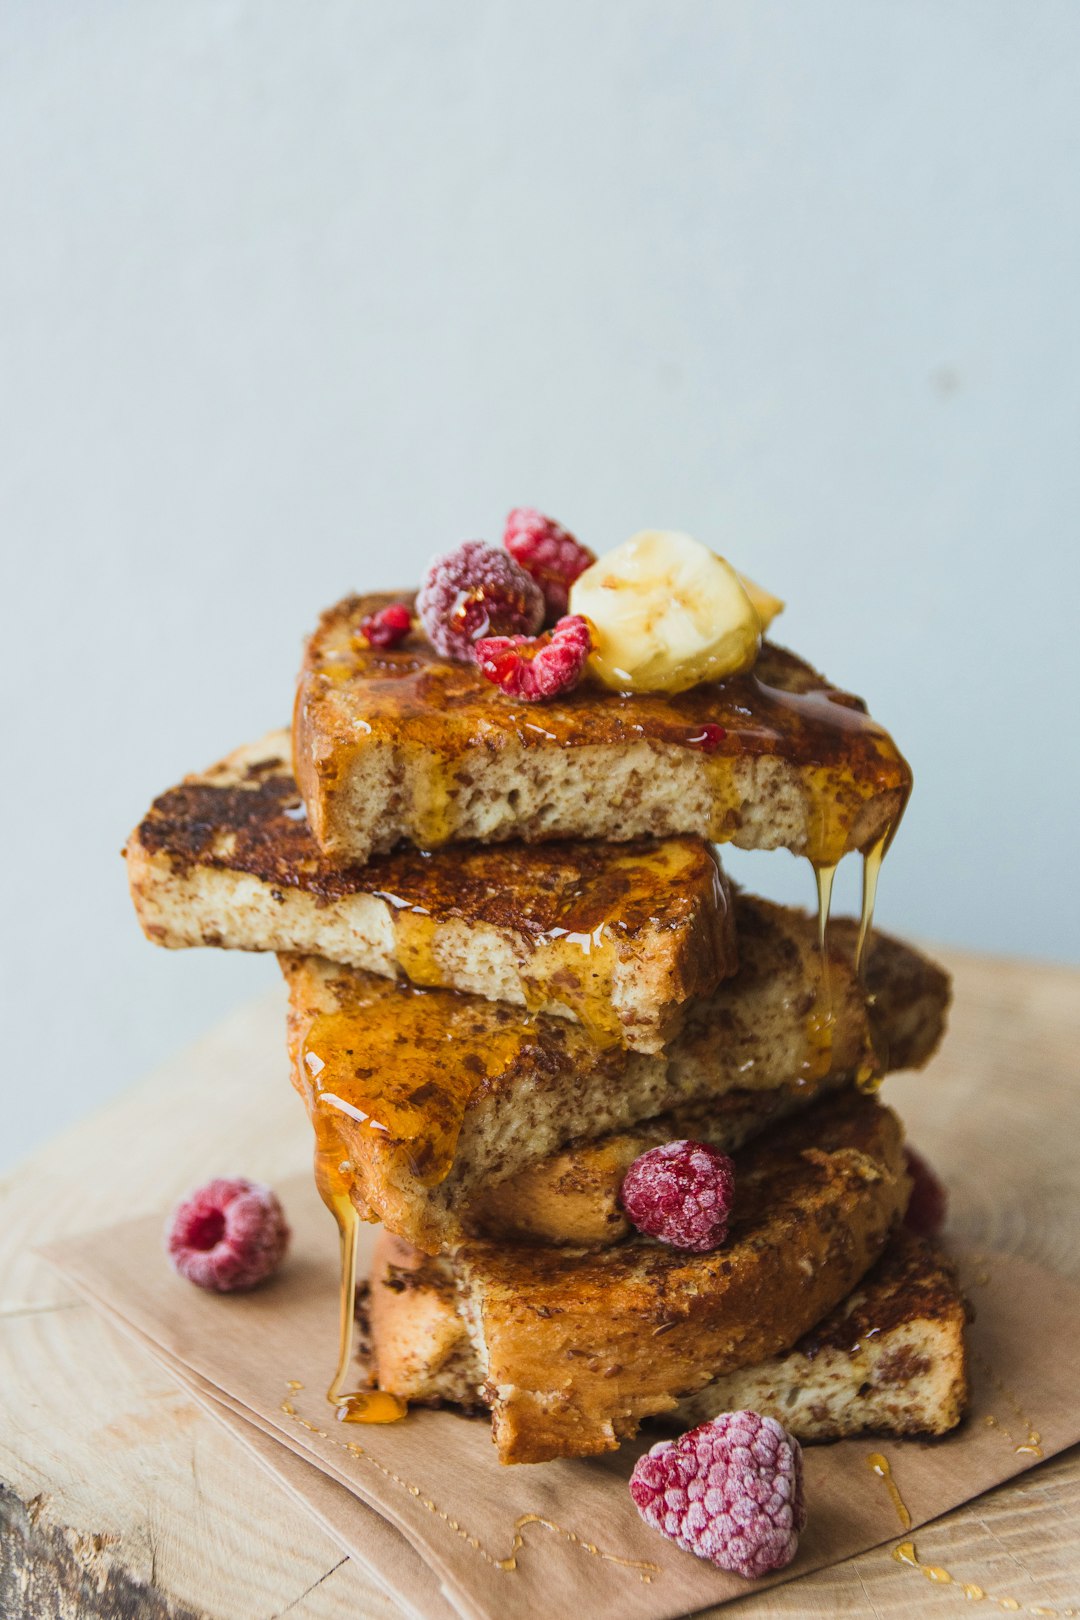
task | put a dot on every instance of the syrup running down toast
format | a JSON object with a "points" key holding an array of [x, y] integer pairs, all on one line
{"points": [[577, 1348], [527, 1013], [437, 1102], [890, 1359], [402, 743]]}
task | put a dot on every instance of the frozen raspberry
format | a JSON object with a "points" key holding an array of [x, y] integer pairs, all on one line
{"points": [[477, 591], [228, 1235], [730, 1491], [681, 1193], [928, 1202], [387, 627], [535, 667], [549, 553]]}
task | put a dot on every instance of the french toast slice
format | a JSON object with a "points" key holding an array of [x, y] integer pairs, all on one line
{"points": [[573, 1196], [619, 937], [432, 1098], [890, 1359], [576, 1348], [405, 744]]}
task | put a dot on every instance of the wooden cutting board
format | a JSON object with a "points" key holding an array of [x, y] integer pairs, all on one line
{"points": [[118, 1497]]}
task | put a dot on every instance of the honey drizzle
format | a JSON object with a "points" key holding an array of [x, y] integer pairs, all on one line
{"points": [[436, 709], [508, 1562], [1032, 1446], [357, 1405], [907, 1555], [586, 990], [394, 1066], [880, 1466], [824, 876], [821, 1019], [568, 926], [572, 967], [872, 859], [414, 946]]}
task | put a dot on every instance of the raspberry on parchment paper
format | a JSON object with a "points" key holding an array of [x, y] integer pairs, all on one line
{"points": [[228, 1235], [730, 1491]]}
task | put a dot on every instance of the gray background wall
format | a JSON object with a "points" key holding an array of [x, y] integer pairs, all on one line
{"points": [[292, 295]]}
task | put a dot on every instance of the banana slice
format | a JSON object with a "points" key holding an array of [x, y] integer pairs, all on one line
{"points": [[766, 605], [667, 613]]}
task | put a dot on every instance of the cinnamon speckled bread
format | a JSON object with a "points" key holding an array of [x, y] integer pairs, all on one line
{"points": [[573, 1196], [405, 744], [434, 1099], [617, 936], [576, 1348], [890, 1359]]}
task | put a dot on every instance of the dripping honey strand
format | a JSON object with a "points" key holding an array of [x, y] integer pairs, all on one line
{"points": [[907, 1554], [879, 1465], [1032, 1446], [508, 1562]]}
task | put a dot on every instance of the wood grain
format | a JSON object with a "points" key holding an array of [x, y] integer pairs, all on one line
{"points": [[118, 1497]]}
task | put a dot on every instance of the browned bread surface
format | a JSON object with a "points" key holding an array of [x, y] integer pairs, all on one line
{"points": [[576, 1348], [890, 1359], [618, 936], [435, 1098], [573, 1196], [407, 744]]}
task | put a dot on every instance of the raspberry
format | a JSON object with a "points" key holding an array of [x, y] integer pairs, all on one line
{"points": [[708, 739], [387, 627], [228, 1235], [681, 1193], [730, 1491], [534, 667], [929, 1201], [477, 591], [549, 553]]}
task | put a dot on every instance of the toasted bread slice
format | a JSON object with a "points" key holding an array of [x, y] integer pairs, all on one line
{"points": [[431, 1098], [890, 1359], [577, 1347], [617, 936], [573, 1196], [406, 744]]}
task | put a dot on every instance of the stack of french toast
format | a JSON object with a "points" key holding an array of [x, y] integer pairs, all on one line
{"points": [[486, 855]]}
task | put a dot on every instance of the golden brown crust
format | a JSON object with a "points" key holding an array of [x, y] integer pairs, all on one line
{"points": [[404, 743], [914, 1278], [415, 1334], [502, 1095], [580, 1348], [890, 1359], [573, 1196], [618, 936]]}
